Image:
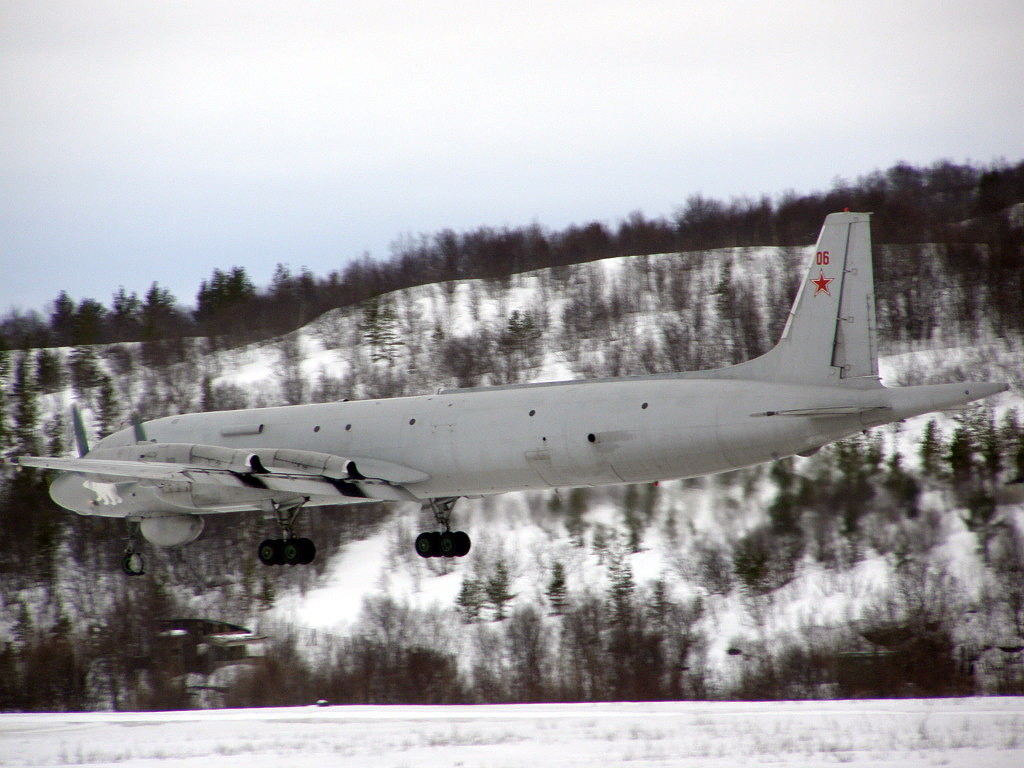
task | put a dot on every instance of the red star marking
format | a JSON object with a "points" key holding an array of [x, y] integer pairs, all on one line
{"points": [[821, 284]]}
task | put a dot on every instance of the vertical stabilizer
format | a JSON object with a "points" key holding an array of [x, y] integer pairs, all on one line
{"points": [[830, 336]]}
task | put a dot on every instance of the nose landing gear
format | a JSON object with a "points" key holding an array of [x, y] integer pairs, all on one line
{"points": [[131, 562]]}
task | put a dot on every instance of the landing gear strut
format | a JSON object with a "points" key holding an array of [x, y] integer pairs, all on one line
{"points": [[447, 543], [288, 550], [131, 562]]}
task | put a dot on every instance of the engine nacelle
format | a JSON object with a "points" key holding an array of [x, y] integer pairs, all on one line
{"points": [[173, 530]]}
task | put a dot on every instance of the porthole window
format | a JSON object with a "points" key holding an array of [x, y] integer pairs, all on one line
{"points": [[592, 437], [412, 421], [316, 428], [644, 406], [348, 427], [533, 413]]}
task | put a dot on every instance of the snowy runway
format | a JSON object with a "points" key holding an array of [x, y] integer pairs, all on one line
{"points": [[953, 732]]}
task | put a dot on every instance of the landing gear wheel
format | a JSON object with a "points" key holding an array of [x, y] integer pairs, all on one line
{"points": [[447, 544], [271, 552], [290, 552], [428, 544], [307, 551], [462, 543], [132, 564]]}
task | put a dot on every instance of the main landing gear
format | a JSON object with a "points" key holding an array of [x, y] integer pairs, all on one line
{"points": [[288, 550], [447, 543], [131, 562]]}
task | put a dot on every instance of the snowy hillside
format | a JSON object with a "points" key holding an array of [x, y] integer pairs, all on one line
{"points": [[685, 519], [727, 579]]}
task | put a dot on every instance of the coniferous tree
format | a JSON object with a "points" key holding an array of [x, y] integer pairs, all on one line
{"points": [[49, 371], [62, 319], [961, 454], [124, 318], [902, 485], [25, 394], [931, 449], [379, 328], [631, 517], [557, 590], [575, 508], [85, 371], [55, 435], [620, 589], [108, 408], [5, 370], [498, 589], [470, 600]]}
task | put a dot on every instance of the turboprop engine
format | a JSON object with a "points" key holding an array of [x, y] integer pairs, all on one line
{"points": [[172, 530]]}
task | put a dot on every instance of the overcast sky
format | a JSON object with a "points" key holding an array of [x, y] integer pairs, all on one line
{"points": [[144, 141]]}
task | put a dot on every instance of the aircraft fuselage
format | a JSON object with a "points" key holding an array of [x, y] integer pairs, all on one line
{"points": [[496, 440]]}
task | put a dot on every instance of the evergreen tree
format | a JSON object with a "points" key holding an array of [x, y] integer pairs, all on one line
{"points": [[109, 410], [620, 589], [1012, 437], [62, 319], [575, 507], [783, 512], [557, 590], [497, 587], [631, 517], [225, 293], [85, 371], [49, 371], [990, 448], [931, 449], [158, 315], [961, 454], [902, 485], [379, 328], [470, 600], [55, 435], [518, 344], [5, 370], [88, 325], [26, 408], [124, 319]]}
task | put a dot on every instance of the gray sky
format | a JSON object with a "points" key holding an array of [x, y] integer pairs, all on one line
{"points": [[148, 141]]}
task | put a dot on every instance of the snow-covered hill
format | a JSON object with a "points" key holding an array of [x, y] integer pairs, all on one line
{"points": [[677, 542], [687, 519]]}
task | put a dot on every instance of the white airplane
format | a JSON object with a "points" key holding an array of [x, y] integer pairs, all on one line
{"points": [[818, 384]]}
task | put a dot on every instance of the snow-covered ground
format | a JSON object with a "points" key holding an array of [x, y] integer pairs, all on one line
{"points": [[980, 732]]}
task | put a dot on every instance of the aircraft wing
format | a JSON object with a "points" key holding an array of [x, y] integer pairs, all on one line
{"points": [[298, 472]]}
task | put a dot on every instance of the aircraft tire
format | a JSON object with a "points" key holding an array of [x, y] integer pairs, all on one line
{"points": [[291, 552], [270, 552], [307, 551], [462, 543], [427, 544], [446, 544], [132, 564]]}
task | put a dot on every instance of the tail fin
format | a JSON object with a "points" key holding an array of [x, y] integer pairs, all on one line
{"points": [[830, 336]]}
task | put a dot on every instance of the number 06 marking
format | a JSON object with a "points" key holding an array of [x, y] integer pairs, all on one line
{"points": [[822, 258]]}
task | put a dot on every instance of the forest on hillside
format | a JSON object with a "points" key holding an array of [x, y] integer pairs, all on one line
{"points": [[579, 623], [961, 207]]}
